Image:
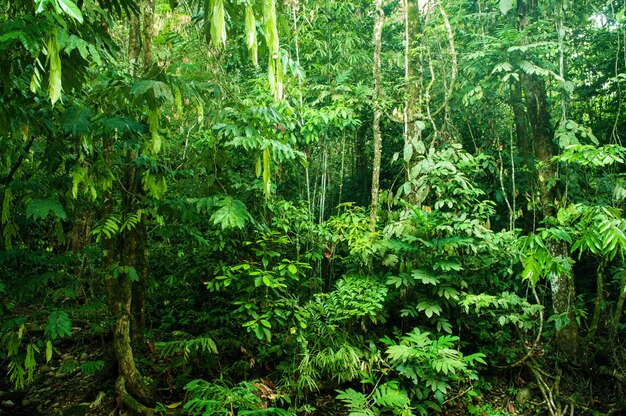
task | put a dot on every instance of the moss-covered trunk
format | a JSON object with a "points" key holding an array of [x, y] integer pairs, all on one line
{"points": [[561, 284], [126, 292]]}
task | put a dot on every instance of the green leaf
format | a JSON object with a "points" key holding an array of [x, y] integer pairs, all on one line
{"points": [[54, 68], [218, 23], [59, 325], [233, 213], [41, 208], [448, 265], [266, 173], [71, 9], [92, 367], [429, 307], [132, 274], [506, 5], [48, 351], [408, 152], [76, 120], [250, 27], [424, 277]]}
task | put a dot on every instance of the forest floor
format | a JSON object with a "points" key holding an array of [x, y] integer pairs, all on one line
{"points": [[61, 388]]}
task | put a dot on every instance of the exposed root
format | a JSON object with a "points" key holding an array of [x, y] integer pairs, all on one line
{"points": [[129, 401]]}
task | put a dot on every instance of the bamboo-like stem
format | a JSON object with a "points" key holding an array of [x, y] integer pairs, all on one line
{"points": [[614, 133], [561, 39]]}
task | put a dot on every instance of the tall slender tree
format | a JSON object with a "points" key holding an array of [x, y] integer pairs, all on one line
{"points": [[377, 101]]}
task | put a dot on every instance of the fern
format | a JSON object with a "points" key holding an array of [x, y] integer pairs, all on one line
{"points": [[42, 208], [92, 367], [433, 362], [354, 297], [208, 399], [109, 227], [386, 398], [357, 402], [186, 347], [59, 325], [232, 213]]}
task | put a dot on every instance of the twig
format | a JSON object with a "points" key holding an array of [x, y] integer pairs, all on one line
{"points": [[458, 396]]}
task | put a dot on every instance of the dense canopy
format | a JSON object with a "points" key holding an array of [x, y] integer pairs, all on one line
{"points": [[310, 207]]}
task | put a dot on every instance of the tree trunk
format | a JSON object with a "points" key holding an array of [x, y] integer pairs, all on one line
{"points": [[138, 306], [134, 382], [127, 298], [134, 42], [148, 34], [542, 134], [562, 284], [135, 189], [524, 142], [378, 29], [411, 31]]}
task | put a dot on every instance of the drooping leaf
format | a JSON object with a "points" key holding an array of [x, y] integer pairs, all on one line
{"points": [[153, 126], [266, 172], [54, 68], [218, 23], [424, 277], [506, 5], [251, 41]]}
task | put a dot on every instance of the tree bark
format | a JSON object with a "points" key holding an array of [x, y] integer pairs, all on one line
{"points": [[411, 31], [378, 29], [134, 42], [561, 284], [141, 231], [524, 142], [127, 298], [542, 134], [148, 35]]}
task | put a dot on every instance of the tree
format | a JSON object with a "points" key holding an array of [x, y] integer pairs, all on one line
{"points": [[376, 97]]}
